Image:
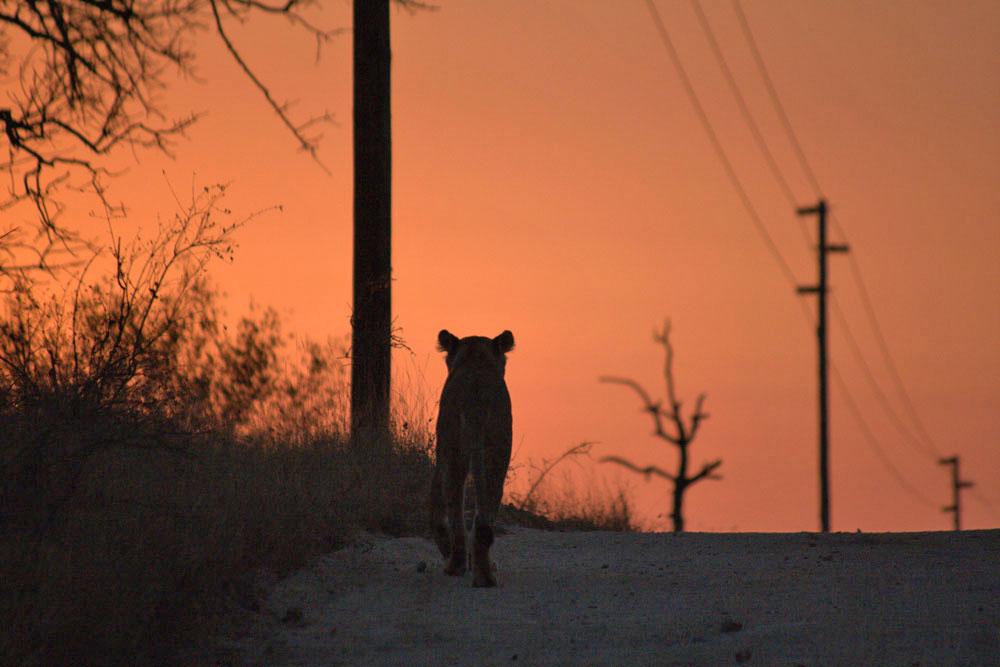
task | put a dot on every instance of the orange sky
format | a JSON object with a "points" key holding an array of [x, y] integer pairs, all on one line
{"points": [[551, 177]]}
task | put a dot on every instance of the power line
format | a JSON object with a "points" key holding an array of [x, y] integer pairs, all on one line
{"points": [[716, 144], [789, 194], [874, 444], [854, 264], [926, 443], [880, 396], [772, 91], [720, 151], [758, 136], [786, 188], [706, 27], [886, 355]]}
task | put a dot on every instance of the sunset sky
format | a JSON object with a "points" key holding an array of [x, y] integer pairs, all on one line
{"points": [[551, 177]]}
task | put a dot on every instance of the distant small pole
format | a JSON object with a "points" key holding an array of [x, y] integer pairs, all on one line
{"points": [[824, 424], [957, 484]]}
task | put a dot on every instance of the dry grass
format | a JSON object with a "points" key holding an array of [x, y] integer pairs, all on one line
{"points": [[153, 542], [565, 502], [568, 509], [159, 537]]}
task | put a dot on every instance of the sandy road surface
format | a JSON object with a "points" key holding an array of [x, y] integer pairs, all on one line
{"points": [[658, 599]]}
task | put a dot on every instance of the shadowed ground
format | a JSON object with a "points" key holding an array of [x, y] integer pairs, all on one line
{"points": [[618, 598]]}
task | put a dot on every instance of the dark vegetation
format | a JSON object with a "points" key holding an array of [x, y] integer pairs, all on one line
{"points": [[154, 461]]}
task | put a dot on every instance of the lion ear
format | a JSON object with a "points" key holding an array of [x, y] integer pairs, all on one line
{"points": [[446, 341], [504, 342]]}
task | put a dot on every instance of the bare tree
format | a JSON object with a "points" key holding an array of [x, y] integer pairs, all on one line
{"points": [[87, 83], [670, 425]]}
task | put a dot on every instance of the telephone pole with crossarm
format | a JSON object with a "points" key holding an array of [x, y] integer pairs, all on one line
{"points": [[820, 290]]}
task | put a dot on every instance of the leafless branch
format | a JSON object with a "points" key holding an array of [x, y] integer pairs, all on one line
{"points": [[698, 417], [583, 449], [100, 340], [647, 471], [648, 405], [706, 472], [308, 144], [663, 337], [89, 81]]}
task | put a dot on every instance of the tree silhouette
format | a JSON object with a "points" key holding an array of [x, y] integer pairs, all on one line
{"points": [[681, 435], [89, 78]]}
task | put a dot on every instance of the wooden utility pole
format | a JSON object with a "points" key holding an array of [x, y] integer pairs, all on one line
{"points": [[957, 484], [371, 321], [824, 424]]}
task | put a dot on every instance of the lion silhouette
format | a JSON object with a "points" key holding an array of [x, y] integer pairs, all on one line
{"points": [[473, 436]]}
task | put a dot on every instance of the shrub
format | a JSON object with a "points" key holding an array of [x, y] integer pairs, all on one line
{"points": [[151, 462]]}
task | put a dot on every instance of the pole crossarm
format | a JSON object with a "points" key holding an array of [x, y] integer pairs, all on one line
{"points": [[957, 484]]}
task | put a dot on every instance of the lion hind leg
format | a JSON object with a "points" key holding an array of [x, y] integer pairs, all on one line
{"points": [[454, 497], [489, 490], [438, 521]]}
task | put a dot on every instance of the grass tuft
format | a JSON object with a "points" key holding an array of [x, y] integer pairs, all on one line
{"points": [[154, 542]]}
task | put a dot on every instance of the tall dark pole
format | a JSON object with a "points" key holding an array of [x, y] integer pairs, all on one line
{"points": [[824, 405], [957, 484], [372, 318]]}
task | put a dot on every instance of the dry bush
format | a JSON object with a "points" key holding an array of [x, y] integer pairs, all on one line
{"points": [[153, 539], [562, 501], [151, 462]]}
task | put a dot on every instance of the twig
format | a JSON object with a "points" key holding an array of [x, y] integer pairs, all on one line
{"points": [[583, 449], [647, 471]]}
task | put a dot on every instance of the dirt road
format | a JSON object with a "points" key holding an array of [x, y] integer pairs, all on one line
{"points": [[657, 599]]}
